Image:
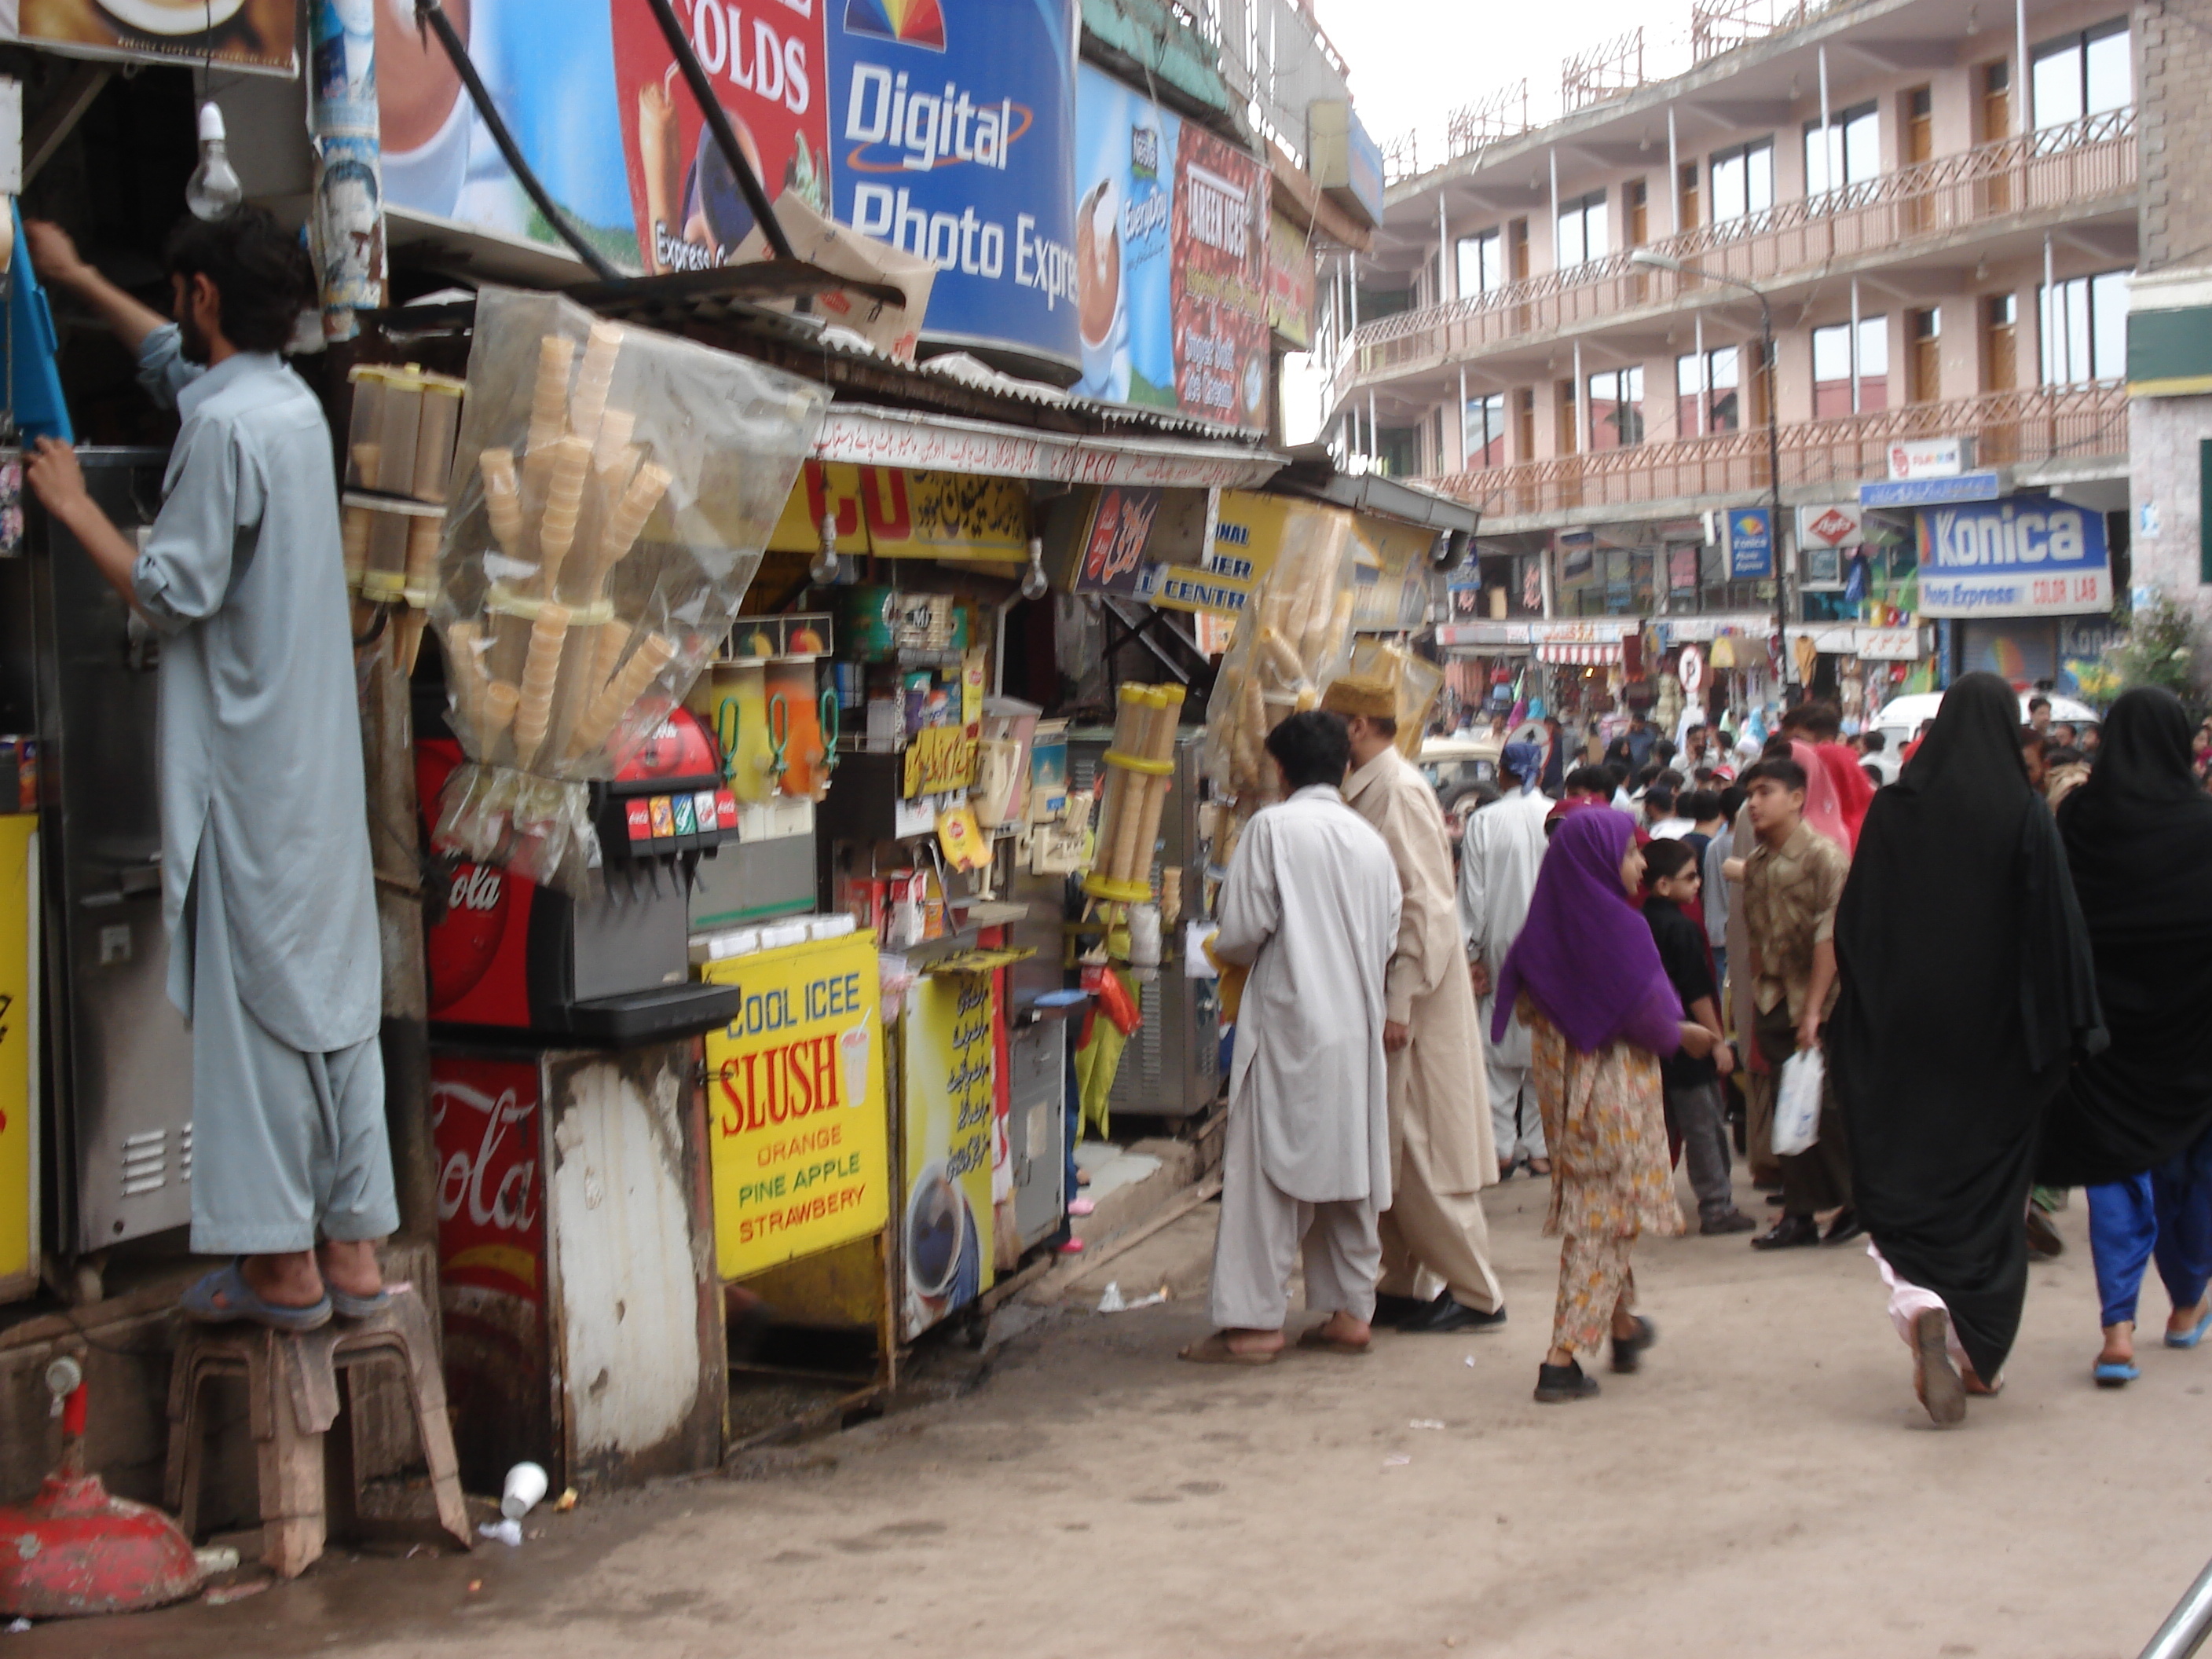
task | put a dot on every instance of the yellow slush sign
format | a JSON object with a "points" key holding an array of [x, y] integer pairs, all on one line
{"points": [[895, 513], [797, 1126]]}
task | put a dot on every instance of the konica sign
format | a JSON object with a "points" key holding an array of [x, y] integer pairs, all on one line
{"points": [[952, 134], [2026, 556]]}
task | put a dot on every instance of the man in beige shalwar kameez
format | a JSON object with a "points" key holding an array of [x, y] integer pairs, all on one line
{"points": [[1437, 1274]]}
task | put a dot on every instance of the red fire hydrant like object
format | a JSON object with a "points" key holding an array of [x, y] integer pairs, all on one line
{"points": [[74, 1549]]}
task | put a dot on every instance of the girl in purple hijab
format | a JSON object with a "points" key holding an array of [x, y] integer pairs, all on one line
{"points": [[1587, 979]]}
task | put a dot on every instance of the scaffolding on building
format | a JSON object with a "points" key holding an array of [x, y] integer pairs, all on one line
{"points": [[1500, 114], [1609, 70], [1719, 26]]}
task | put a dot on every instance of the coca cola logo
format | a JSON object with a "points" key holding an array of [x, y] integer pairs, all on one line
{"points": [[495, 1183], [475, 888]]}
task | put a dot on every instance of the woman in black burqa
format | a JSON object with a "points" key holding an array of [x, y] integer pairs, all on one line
{"points": [[2132, 1124], [1967, 987]]}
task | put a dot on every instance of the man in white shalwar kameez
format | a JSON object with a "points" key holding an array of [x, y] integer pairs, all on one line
{"points": [[1499, 856], [1436, 1275], [274, 955], [1310, 904]]}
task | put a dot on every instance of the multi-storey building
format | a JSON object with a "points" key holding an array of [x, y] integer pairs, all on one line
{"points": [[1937, 201]]}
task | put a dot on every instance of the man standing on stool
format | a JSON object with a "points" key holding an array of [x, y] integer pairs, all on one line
{"points": [[1435, 1243], [274, 956]]}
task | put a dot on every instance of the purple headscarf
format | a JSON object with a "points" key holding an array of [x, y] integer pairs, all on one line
{"points": [[1585, 957]]}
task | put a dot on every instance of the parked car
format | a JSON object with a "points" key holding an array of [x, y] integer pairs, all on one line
{"points": [[1458, 769], [1900, 719]]}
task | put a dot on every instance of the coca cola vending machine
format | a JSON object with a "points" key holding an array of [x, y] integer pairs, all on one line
{"points": [[582, 1314]]}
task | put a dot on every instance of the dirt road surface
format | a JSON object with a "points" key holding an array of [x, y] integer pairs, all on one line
{"points": [[1766, 1486]]}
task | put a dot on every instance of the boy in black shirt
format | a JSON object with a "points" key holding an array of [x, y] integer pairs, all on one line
{"points": [[1693, 1091]]}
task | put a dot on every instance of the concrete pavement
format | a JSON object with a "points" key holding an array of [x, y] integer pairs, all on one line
{"points": [[1766, 1486]]}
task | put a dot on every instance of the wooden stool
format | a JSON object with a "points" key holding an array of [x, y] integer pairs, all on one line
{"points": [[292, 1392]]}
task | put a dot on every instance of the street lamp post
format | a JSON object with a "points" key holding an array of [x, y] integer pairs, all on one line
{"points": [[1654, 261]]}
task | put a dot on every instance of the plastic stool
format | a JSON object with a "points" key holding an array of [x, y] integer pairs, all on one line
{"points": [[306, 1473]]}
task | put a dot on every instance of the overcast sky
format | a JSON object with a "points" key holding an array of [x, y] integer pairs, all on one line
{"points": [[1413, 61]]}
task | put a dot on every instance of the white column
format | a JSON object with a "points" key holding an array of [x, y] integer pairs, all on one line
{"points": [[1855, 345], [2021, 71], [1828, 129], [1581, 405], [1554, 155], [1446, 284], [1374, 432], [1674, 176], [1706, 381], [1465, 460], [2048, 358]]}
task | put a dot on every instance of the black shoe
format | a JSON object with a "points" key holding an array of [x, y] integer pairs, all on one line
{"points": [[2043, 1240], [1397, 1310], [1735, 1221], [1560, 1385], [1447, 1313], [1628, 1351], [1789, 1231], [1846, 1226]]}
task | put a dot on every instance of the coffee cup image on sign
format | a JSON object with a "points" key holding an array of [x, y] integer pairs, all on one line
{"points": [[1100, 311], [941, 1253]]}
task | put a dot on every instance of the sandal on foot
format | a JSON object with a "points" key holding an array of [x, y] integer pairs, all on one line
{"points": [[240, 1302], [2115, 1373], [1215, 1351], [2190, 1339], [346, 1305], [1316, 1341], [1933, 1377]]}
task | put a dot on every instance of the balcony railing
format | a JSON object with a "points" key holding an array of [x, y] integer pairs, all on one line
{"points": [[2010, 429], [2075, 165]]}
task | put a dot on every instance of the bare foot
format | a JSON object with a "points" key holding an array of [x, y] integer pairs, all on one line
{"points": [[1540, 1166], [288, 1281], [349, 1265], [1973, 1384], [1340, 1326], [2120, 1344], [1240, 1341]]}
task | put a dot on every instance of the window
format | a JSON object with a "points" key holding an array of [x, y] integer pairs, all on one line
{"points": [[1722, 373], [1833, 363], [2081, 75], [1616, 409], [1481, 263], [2085, 329], [1485, 431], [1996, 100], [1743, 181], [2000, 342], [1686, 196], [1635, 201], [1581, 231], [1850, 152], [1925, 330]]}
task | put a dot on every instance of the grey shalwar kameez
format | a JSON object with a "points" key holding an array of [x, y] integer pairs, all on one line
{"points": [[266, 890], [1311, 902]]}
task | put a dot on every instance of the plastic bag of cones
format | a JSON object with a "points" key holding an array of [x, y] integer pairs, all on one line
{"points": [[1290, 643], [1414, 680], [614, 488], [400, 466]]}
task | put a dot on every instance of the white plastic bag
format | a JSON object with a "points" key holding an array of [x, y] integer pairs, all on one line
{"points": [[1797, 1103]]}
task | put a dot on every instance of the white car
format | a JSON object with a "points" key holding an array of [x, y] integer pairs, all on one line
{"points": [[1900, 720]]}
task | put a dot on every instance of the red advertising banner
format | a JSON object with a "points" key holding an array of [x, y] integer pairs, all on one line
{"points": [[1220, 253], [1112, 555], [769, 68]]}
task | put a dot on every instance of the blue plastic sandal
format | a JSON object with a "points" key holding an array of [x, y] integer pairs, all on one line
{"points": [[240, 1303], [2191, 1339], [2116, 1373], [347, 1305]]}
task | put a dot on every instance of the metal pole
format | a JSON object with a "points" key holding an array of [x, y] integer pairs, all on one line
{"points": [[1774, 491], [1704, 377], [1827, 131], [2186, 1628], [1556, 262], [2046, 314], [1855, 345], [1464, 463], [1583, 440], [2026, 78], [1446, 289]]}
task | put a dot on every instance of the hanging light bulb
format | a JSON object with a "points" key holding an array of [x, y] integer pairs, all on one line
{"points": [[1034, 584], [823, 570], [214, 189]]}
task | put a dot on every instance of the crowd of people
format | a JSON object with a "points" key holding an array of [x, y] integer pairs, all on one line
{"points": [[1987, 974]]}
